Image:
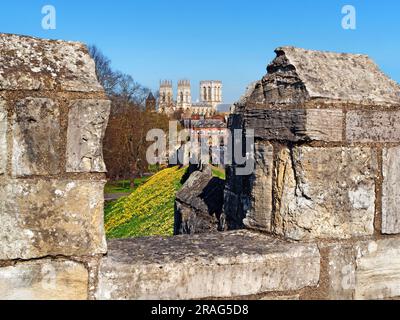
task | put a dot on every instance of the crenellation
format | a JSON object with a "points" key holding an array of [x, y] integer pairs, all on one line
{"points": [[40, 64], [46, 211], [335, 175], [318, 209]]}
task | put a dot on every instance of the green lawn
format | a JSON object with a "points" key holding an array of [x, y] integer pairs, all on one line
{"points": [[123, 186], [218, 172]]}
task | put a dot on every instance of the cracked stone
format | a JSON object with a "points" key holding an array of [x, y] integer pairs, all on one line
{"points": [[87, 123], [36, 138], [259, 214], [325, 192], [40, 218], [391, 191]]}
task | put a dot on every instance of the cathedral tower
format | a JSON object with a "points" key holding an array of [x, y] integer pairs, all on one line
{"points": [[166, 103], [184, 97], [211, 92]]}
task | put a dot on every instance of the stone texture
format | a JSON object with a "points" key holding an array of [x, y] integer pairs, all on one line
{"points": [[391, 191], [44, 280], [239, 105], [28, 63], [325, 192], [50, 217], [36, 137], [295, 125], [365, 269], [3, 137], [202, 266], [198, 205], [298, 75], [341, 271], [87, 123], [324, 125], [282, 298], [378, 270], [373, 126], [260, 213]]}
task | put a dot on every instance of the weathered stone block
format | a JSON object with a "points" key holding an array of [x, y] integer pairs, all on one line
{"points": [[325, 192], [44, 280], [216, 265], [391, 191], [3, 137], [297, 75], [295, 125], [40, 218], [378, 270], [260, 214], [373, 126], [87, 122], [367, 269], [36, 137], [341, 271], [324, 125], [28, 63], [199, 204]]}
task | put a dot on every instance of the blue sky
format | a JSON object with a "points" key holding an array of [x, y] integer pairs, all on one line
{"points": [[232, 41]]}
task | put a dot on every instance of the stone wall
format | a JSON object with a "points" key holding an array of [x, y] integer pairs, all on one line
{"points": [[53, 114], [322, 203], [326, 153]]}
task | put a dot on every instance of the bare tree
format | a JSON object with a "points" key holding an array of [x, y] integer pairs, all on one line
{"points": [[116, 83], [125, 142], [108, 78]]}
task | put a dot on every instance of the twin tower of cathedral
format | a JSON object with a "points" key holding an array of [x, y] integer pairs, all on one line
{"points": [[210, 97]]}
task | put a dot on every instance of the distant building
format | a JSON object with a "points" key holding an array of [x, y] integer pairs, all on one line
{"points": [[210, 97], [166, 101], [151, 102], [213, 132], [184, 97], [211, 92]]}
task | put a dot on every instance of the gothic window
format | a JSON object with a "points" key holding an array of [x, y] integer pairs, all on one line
{"points": [[181, 97], [205, 93], [209, 93]]}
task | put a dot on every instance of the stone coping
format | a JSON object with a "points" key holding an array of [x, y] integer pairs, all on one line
{"points": [[227, 264]]}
